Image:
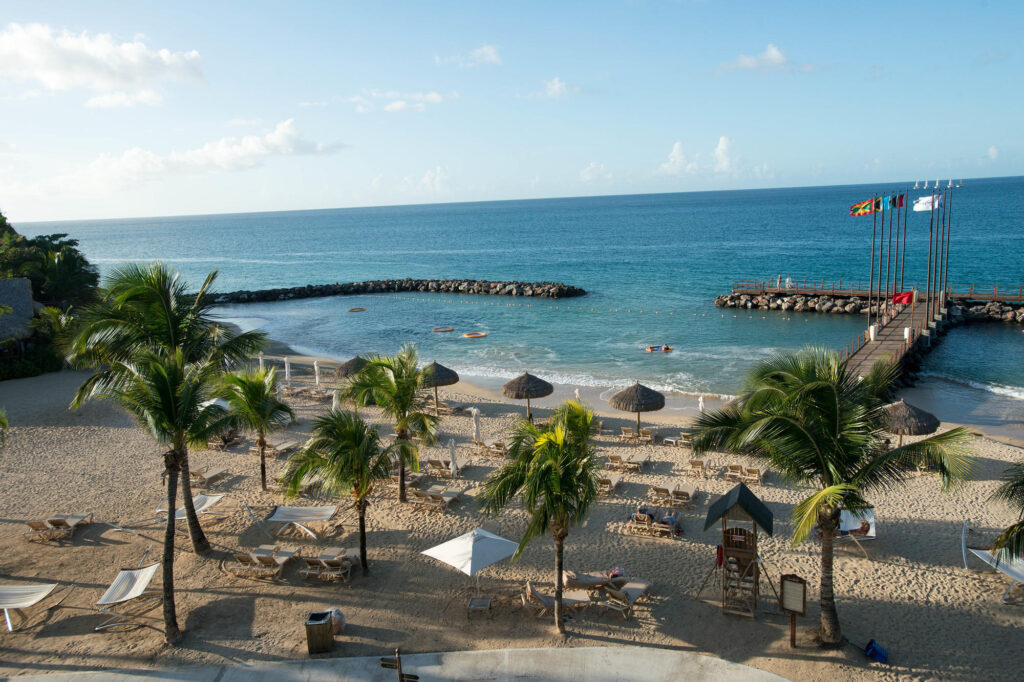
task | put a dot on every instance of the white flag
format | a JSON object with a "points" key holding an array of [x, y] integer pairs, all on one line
{"points": [[925, 203]]}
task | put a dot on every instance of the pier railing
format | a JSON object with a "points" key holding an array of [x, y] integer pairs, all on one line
{"points": [[860, 288]]}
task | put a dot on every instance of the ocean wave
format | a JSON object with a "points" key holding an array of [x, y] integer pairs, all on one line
{"points": [[1016, 392]]}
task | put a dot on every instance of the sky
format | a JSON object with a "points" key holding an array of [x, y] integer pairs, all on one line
{"points": [[115, 109]]}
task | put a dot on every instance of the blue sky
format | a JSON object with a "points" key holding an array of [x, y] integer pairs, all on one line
{"points": [[132, 109]]}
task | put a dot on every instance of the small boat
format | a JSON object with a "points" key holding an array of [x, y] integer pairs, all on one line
{"points": [[950, 185], [917, 184], [662, 348], [959, 183], [925, 185]]}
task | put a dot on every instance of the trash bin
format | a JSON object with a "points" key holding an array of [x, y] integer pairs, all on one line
{"points": [[319, 635]]}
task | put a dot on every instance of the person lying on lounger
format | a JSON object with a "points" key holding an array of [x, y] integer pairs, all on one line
{"points": [[859, 532]]}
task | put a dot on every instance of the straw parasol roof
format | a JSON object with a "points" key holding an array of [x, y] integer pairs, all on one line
{"points": [[347, 369], [438, 375], [637, 398], [527, 387], [903, 419]]}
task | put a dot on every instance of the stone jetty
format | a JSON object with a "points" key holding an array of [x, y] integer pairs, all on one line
{"points": [[855, 305], [388, 286]]}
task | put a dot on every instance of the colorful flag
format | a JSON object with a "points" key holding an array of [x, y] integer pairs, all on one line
{"points": [[903, 297], [928, 203], [896, 201], [862, 208]]}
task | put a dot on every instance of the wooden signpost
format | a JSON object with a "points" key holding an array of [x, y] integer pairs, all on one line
{"points": [[396, 665], [793, 600]]}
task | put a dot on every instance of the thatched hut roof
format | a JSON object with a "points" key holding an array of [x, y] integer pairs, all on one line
{"points": [[637, 398], [347, 369], [526, 387], [436, 374], [903, 419]]}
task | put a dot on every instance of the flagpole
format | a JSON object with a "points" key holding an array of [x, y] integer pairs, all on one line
{"points": [[938, 255], [888, 259], [871, 280], [928, 287], [896, 257], [945, 257], [906, 215], [881, 247]]}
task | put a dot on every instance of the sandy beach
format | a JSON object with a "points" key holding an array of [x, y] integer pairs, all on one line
{"points": [[911, 593]]}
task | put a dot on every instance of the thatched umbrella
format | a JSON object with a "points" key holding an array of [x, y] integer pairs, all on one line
{"points": [[637, 398], [903, 419], [527, 387], [347, 369], [438, 375]]}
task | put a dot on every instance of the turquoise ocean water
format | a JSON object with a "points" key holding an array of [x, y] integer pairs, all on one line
{"points": [[666, 255]]}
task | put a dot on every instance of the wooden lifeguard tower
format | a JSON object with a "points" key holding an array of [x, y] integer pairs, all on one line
{"points": [[742, 513]]}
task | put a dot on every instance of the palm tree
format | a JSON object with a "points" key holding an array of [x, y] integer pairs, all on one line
{"points": [[395, 383], [344, 456], [554, 469], [253, 405], [818, 424], [168, 398], [1012, 492], [146, 309]]}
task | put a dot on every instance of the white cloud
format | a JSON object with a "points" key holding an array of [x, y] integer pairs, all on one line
{"points": [[483, 55], [111, 100], [306, 105], [66, 61], [723, 164], [393, 100], [993, 153], [435, 180], [110, 172], [771, 59], [555, 88], [677, 162], [595, 171]]}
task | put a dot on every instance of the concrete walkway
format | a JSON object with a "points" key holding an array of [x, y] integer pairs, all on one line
{"points": [[596, 664]]}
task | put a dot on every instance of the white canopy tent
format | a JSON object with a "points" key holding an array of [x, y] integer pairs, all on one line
{"points": [[473, 552]]}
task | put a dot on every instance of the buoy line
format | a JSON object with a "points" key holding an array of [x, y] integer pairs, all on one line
{"points": [[356, 310], [474, 335], [443, 329]]}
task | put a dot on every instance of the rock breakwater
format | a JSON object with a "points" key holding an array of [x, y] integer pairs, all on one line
{"points": [[854, 305], [386, 286]]}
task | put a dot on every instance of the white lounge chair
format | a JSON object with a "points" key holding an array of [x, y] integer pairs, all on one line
{"points": [[128, 597], [856, 528], [18, 599], [1011, 568], [302, 518]]}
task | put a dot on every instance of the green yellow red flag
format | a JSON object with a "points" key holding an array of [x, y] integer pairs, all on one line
{"points": [[862, 208]]}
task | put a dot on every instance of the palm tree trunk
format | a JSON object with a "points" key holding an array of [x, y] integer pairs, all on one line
{"points": [[829, 631], [261, 445], [200, 545], [172, 468], [401, 435], [559, 545], [361, 508]]}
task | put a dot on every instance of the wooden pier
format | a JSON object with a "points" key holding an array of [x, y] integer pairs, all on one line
{"points": [[806, 287]]}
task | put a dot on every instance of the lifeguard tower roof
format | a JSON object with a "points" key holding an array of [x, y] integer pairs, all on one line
{"points": [[747, 501]]}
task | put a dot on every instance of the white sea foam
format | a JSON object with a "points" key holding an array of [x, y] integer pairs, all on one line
{"points": [[1016, 392]]}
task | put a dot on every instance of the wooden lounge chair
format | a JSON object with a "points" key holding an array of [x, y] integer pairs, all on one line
{"points": [[418, 498], [698, 468], [436, 467], [624, 597], [412, 479], [276, 448], [496, 449], [627, 435], [608, 483], [19, 600], [685, 439], [128, 597], [636, 462], [734, 473], [273, 560], [683, 496], [327, 570], [544, 604], [751, 476], [659, 494], [244, 566], [600, 428], [646, 436], [441, 501], [614, 463], [57, 528], [645, 525], [590, 581], [207, 476]]}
